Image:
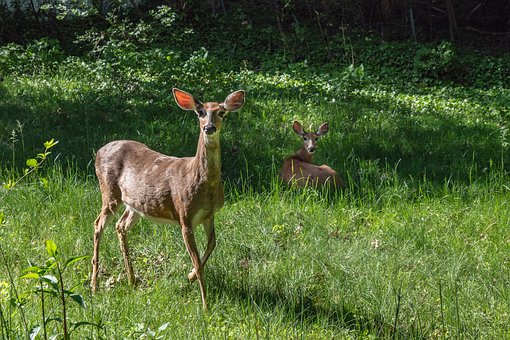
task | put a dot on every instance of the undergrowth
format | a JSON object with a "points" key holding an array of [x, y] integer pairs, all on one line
{"points": [[414, 247]]}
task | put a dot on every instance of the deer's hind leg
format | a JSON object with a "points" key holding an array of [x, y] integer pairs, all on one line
{"points": [[109, 206], [127, 220]]}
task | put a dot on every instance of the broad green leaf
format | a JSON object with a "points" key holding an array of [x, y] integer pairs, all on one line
{"points": [[30, 276], [34, 269], [78, 299], [1, 217], [51, 143], [10, 184], [32, 163], [75, 259], [51, 248], [50, 278]]}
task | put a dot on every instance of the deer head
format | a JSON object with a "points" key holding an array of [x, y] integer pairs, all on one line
{"points": [[310, 138], [210, 114]]}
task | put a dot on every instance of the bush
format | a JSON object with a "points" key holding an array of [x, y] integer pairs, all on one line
{"points": [[434, 63], [41, 55]]}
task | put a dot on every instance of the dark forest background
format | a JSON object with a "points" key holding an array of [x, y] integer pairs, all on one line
{"points": [[294, 23]]}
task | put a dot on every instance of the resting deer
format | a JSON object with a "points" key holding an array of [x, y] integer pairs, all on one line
{"points": [[185, 191], [298, 168]]}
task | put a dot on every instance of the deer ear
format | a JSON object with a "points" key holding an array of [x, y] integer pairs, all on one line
{"points": [[234, 101], [298, 128], [323, 129], [185, 100]]}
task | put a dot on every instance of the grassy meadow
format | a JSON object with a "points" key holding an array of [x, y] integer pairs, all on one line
{"points": [[416, 246]]}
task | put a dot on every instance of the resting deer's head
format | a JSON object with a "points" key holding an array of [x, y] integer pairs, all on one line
{"points": [[209, 114], [310, 138]]}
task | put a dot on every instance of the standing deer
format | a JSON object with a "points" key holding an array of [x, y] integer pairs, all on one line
{"points": [[185, 191], [298, 168]]}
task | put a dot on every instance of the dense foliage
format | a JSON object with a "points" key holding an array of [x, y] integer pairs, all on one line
{"points": [[415, 247], [122, 80], [470, 21]]}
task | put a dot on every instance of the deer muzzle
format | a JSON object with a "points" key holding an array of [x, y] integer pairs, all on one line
{"points": [[209, 129]]}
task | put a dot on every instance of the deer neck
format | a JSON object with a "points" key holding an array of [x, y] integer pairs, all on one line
{"points": [[208, 157], [304, 156]]}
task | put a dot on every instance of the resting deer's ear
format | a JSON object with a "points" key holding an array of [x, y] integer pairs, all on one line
{"points": [[298, 128], [186, 100], [323, 129], [234, 101]]}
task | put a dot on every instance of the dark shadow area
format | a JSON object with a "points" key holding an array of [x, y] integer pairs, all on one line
{"points": [[303, 308], [433, 144], [86, 123], [254, 140]]}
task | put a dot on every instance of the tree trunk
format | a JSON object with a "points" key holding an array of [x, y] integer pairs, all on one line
{"points": [[452, 21]]}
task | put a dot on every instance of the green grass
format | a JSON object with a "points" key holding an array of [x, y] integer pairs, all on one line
{"points": [[288, 263], [415, 247]]}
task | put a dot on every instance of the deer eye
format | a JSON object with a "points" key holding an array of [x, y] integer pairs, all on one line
{"points": [[305, 138], [222, 114], [316, 138], [201, 113]]}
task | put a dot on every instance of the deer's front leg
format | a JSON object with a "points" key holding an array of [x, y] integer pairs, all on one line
{"points": [[191, 246], [211, 244]]}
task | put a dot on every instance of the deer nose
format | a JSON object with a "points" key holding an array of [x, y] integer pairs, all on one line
{"points": [[209, 129], [311, 149]]}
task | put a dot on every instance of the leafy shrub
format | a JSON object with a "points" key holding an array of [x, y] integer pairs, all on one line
{"points": [[434, 63], [38, 56], [161, 28], [490, 71]]}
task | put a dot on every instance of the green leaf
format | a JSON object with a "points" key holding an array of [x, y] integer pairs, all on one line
{"points": [[34, 269], [84, 323], [32, 163], [50, 279], [75, 259], [2, 216], [44, 182], [51, 248], [31, 275], [163, 327], [51, 143], [78, 299], [51, 263], [51, 292], [9, 185]]}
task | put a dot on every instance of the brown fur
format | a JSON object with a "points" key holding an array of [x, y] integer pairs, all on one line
{"points": [[298, 169], [185, 191]]}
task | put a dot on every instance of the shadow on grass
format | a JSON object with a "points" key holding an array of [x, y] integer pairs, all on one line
{"points": [[435, 146], [83, 122], [299, 307]]}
